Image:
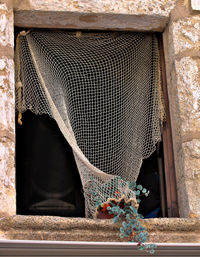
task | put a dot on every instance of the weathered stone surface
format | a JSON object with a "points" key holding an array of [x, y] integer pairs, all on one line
{"points": [[6, 73], [7, 177], [192, 174], [188, 85], [7, 147], [158, 7], [7, 112], [188, 154], [180, 10], [181, 42], [193, 191], [193, 148], [100, 21], [77, 229], [6, 26], [186, 34], [192, 160], [7, 99]]}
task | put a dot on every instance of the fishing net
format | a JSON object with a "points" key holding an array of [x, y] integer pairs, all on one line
{"points": [[103, 90]]}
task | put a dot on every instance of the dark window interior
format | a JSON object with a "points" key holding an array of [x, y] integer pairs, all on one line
{"points": [[48, 181], [150, 177]]}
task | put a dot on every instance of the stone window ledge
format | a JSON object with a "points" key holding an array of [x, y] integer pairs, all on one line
{"points": [[161, 230]]}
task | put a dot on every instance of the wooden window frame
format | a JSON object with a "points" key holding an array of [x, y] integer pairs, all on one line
{"points": [[168, 152]]}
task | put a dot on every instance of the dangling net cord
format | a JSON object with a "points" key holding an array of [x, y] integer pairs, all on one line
{"points": [[68, 133], [19, 85], [161, 97], [160, 91]]}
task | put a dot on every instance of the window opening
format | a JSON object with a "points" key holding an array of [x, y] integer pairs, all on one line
{"points": [[40, 100]]}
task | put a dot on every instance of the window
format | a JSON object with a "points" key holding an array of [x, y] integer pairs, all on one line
{"points": [[45, 191]]}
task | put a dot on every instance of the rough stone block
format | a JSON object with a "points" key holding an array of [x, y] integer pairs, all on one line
{"points": [[6, 26], [7, 99], [7, 177], [193, 191], [7, 110], [6, 73], [188, 85], [191, 151], [186, 34], [6, 162], [192, 159]]}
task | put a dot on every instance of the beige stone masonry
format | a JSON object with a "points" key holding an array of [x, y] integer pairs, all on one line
{"points": [[192, 173], [186, 34], [7, 111], [188, 85], [6, 26], [182, 45]]}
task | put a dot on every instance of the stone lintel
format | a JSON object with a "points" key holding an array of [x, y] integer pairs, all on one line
{"points": [[96, 21], [79, 229]]}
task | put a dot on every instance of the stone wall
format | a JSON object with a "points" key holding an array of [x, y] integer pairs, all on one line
{"points": [[182, 43], [7, 113]]}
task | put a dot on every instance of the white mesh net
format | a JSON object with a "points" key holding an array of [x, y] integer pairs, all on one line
{"points": [[103, 89]]}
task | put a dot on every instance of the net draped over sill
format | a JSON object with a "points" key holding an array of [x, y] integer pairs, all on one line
{"points": [[103, 90]]}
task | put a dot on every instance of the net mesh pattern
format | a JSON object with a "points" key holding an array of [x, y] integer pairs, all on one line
{"points": [[103, 89]]}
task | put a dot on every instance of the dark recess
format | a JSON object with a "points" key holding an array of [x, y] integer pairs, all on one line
{"points": [[48, 181]]}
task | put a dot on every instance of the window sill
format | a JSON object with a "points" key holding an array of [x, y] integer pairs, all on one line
{"points": [[173, 230]]}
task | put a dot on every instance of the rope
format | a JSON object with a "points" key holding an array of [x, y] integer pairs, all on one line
{"points": [[19, 85]]}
